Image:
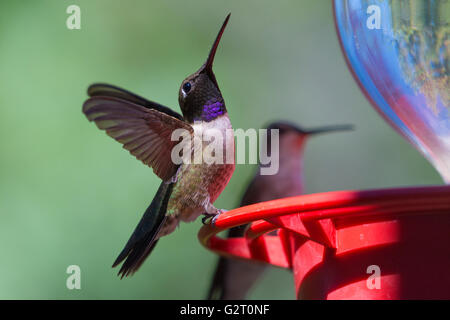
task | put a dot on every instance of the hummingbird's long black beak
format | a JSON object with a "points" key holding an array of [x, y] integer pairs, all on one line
{"points": [[207, 67], [326, 129]]}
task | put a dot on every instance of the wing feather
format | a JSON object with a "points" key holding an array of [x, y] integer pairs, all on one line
{"points": [[107, 90], [145, 133]]}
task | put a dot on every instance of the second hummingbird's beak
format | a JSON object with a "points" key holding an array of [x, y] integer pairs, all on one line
{"points": [[326, 129], [207, 67]]}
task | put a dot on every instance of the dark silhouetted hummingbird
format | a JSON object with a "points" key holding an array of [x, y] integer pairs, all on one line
{"points": [[233, 278], [145, 129]]}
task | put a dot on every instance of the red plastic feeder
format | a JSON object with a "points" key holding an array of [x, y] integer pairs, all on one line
{"points": [[377, 244]]}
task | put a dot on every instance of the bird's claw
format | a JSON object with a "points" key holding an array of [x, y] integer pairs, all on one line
{"points": [[213, 220], [207, 216], [212, 216]]}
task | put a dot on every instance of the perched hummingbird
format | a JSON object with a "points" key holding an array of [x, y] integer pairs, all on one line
{"points": [[145, 129], [233, 278]]}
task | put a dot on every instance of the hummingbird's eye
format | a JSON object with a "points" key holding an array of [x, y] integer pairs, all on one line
{"points": [[187, 87]]}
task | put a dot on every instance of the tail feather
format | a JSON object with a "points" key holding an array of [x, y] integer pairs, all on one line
{"points": [[143, 239]]}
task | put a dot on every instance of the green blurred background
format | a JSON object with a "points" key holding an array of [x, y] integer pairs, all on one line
{"points": [[71, 195]]}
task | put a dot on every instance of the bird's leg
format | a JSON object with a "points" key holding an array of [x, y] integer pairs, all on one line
{"points": [[211, 212], [213, 221]]}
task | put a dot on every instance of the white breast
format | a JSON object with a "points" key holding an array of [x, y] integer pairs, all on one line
{"points": [[215, 135]]}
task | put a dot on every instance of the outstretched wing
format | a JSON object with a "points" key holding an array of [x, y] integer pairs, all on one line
{"points": [[146, 133], [107, 90]]}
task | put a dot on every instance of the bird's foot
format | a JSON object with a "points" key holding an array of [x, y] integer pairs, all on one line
{"points": [[207, 216], [212, 216]]}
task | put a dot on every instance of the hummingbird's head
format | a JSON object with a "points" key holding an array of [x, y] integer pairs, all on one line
{"points": [[199, 97]]}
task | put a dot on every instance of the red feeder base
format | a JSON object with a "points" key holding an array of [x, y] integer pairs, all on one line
{"points": [[378, 244]]}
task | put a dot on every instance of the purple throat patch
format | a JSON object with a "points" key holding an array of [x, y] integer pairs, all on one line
{"points": [[212, 111]]}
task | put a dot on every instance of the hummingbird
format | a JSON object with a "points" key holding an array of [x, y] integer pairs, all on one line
{"points": [[233, 278], [144, 128]]}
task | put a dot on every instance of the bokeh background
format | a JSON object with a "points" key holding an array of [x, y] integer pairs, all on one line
{"points": [[71, 195]]}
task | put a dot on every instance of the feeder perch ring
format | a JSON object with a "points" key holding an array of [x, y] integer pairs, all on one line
{"points": [[373, 244]]}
